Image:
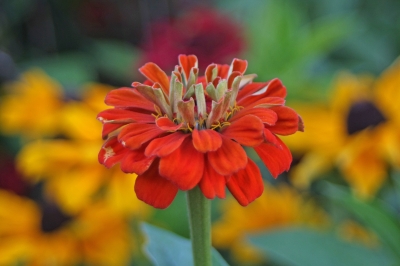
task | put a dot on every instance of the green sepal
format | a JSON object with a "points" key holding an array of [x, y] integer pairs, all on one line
{"points": [[235, 90], [157, 96], [186, 111], [222, 87], [194, 72], [175, 93], [210, 89], [200, 100], [216, 112]]}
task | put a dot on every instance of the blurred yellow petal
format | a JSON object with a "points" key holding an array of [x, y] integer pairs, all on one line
{"points": [[387, 92], [31, 107], [76, 188], [95, 236], [362, 163], [79, 122], [121, 197]]}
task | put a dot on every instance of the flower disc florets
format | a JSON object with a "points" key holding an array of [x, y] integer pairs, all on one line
{"points": [[181, 131]]}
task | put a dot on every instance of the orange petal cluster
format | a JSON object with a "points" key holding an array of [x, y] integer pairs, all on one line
{"points": [[181, 131]]}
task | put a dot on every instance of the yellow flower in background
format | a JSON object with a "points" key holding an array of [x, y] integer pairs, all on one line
{"points": [[277, 207], [357, 131], [41, 235], [387, 96], [31, 107], [69, 165]]}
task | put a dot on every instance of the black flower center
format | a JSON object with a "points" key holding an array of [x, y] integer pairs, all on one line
{"points": [[52, 217], [363, 114]]}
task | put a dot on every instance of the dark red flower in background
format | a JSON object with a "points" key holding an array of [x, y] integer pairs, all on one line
{"points": [[210, 35]]}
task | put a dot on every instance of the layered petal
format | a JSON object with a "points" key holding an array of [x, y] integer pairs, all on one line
{"points": [[133, 136], [128, 97], [124, 116], [247, 130], [111, 152], [184, 167], [266, 115], [156, 75], [187, 62], [110, 128], [155, 190], [276, 158], [229, 158], [274, 88], [136, 162], [163, 146], [287, 123], [212, 184], [206, 140], [166, 124], [246, 185]]}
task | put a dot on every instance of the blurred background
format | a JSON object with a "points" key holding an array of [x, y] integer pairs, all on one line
{"points": [[338, 205]]}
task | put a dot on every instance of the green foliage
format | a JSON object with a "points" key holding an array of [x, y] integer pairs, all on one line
{"points": [[115, 59], [167, 249], [373, 214], [301, 246]]}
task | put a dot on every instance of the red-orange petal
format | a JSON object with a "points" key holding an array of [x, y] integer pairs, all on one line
{"points": [[155, 74], [209, 73], [223, 71], [167, 125], [184, 167], [246, 185], [187, 62], [136, 162], [111, 152], [270, 137], [232, 77], [277, 158], [212, 184], [128, 97], [266, 115], [287, 123], [155, 190], [206, 140], [109, 128], [274, 88], [133, 136], [247, 130], [251, 88], [163, 146], [229, 158], [124, 116], [239, 65]]}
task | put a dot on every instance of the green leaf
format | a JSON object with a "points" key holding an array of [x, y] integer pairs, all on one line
{"points": [[168, 249], [372, 214], [115, 59], [303, 246]]}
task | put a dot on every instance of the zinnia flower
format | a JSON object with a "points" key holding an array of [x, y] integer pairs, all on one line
{"points": [[182, 131]]}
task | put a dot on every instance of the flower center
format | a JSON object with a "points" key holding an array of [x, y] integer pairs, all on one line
{"points": [[363, 114]]}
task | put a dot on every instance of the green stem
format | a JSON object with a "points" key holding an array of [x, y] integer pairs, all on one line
{"points": [[200, 226]]}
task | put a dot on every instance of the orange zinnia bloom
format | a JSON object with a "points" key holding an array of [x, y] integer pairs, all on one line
{"points": [[181, 131]]}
